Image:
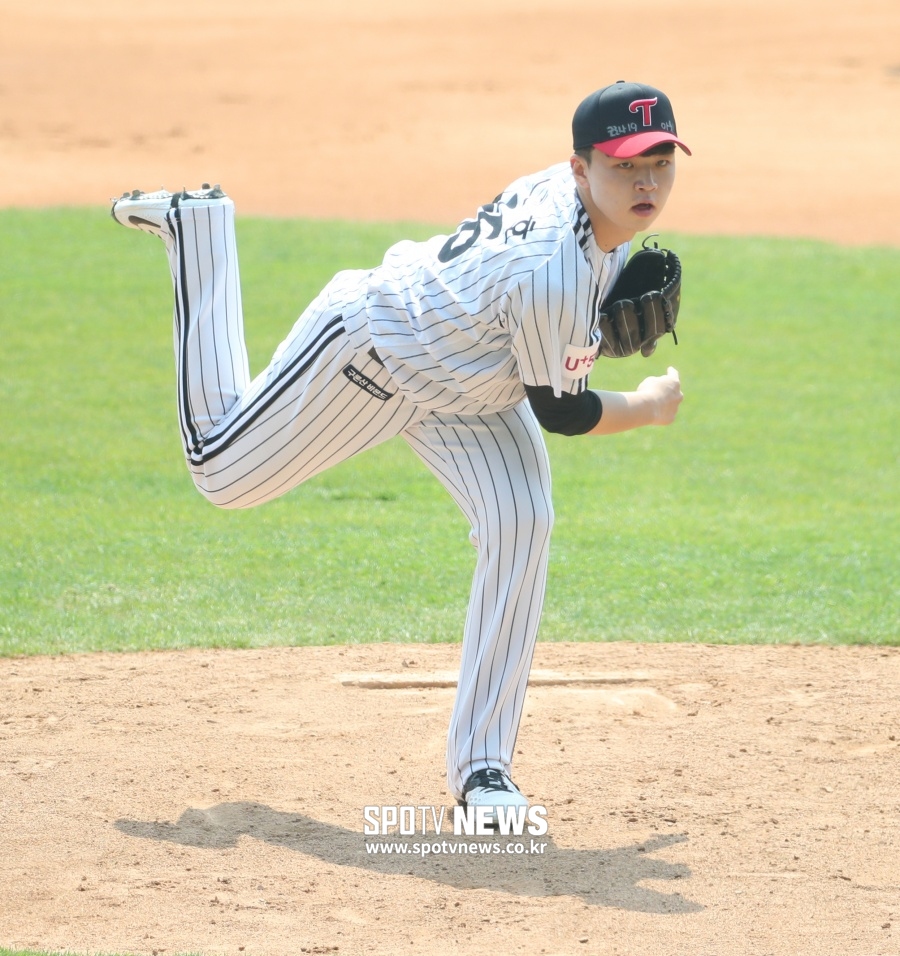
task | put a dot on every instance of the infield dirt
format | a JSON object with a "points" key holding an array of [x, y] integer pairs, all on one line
{"points": [[701, 799]]}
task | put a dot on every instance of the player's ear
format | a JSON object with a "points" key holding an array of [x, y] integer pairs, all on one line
{"points": [[579, 169]]}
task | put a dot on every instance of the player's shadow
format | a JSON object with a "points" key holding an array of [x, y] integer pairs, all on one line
{"points": [[599, 877]]}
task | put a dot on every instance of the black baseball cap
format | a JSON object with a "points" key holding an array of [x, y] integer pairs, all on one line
{"points": [[625, 119]]}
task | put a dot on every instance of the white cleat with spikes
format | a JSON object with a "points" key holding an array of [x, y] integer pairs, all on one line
{"points": [[149, 211]]}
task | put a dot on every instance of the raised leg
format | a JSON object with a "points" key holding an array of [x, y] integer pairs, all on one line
{"points": [[319, 401]]}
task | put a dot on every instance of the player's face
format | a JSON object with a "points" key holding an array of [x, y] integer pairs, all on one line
{"points": [[623, 196]]}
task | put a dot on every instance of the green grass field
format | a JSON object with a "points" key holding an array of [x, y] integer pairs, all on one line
{"points": [[768, 513]]}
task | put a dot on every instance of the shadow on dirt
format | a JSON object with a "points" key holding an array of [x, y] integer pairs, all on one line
{"points": [[599, 877]]}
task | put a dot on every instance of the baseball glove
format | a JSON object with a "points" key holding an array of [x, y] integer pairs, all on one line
{"points": [[642, 306]]}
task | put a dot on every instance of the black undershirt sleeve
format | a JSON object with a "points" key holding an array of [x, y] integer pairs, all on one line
{"points": [[565, 414]]}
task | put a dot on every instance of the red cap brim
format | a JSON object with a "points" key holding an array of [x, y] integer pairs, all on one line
{"points": [[636, 143]]}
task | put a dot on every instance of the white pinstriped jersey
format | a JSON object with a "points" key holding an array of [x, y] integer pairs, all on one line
{"points": [[464, 322]]}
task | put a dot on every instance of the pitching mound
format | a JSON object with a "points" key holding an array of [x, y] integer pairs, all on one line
{"points": [[699, 799]]}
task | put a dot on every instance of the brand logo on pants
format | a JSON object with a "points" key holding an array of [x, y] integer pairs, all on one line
{"points": [[365, 383]]}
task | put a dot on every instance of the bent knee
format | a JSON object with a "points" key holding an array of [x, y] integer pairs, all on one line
{"points": [[225, 498], [543, 519], [532, 520]]}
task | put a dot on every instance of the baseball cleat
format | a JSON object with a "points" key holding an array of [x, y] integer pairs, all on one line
{"points": [[149, 211], [491, 788], [144, 211], [199, 196]]}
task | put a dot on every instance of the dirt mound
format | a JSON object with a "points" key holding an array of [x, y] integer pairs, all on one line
{"points": [[699, 799]]}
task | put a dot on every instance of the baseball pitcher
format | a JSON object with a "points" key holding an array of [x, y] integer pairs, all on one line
{"points": [[466, 346]]}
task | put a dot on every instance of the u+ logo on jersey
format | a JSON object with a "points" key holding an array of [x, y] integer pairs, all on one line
{"points": [[578, 360]]}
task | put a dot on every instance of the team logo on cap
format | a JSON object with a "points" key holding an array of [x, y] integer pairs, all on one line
{"points": [[644, 107]]}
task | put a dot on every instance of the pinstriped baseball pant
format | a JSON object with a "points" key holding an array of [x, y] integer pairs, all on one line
{"points": [[320, 402]]}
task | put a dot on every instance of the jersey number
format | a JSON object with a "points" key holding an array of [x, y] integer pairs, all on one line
{"points": [[470, 231]]}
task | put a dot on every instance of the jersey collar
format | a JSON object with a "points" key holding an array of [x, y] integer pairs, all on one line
{"points": [[584, 233]]}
